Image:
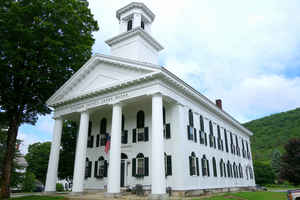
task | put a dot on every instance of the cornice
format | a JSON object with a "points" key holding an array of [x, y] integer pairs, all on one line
{"points": [[135, 5], [134, 32]]}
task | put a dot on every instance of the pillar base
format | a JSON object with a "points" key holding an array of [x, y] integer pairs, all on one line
{"points": [[158, 196], [112, 195]]}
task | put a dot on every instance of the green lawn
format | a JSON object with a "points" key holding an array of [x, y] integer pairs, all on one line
{"points": [[250, 196], [38, 198]]}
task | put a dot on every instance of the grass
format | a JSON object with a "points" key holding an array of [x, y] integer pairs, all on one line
{"points": [[39, 198], [250, 196]]}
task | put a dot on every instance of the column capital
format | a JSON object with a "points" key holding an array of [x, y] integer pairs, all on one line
{"points": [[156, 94]]}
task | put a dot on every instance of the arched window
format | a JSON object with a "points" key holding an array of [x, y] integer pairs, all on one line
{"points": [[191, 118], [101, 163], [221, 167], [194, 165], [140, 119], [241, 171], [229, 172], [88, 168], [140, 166], [214, 167], [234, 170], [202, 132], [205, 166]]}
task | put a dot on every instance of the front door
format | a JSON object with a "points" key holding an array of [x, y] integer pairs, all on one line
{"points": [[123, 173]]}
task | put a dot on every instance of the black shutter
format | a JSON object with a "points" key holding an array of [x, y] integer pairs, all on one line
{"points": [[146, 132], [169, 165], [191, 160], [188, 132], [214, 142], [133, 167], [125, 137], [105, 168], [197, 165], [90, 169], [168, 131], [146, 159], [195, 135], [134, 136], [96, 169], [98, 140], [92, 141], [205, 137]]}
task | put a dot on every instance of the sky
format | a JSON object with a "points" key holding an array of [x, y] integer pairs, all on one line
{"points": [[246, 53]]}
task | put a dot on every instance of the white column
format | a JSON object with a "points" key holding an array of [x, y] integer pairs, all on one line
{"points": [[80, 156], [113, 186], [54, 156], [158, 185]]}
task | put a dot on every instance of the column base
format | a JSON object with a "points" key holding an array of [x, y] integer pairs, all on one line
{"points": [[112, 195], [158, 196]]}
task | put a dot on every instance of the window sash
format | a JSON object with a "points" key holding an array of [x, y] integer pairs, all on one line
{"points": [[140, 166]]}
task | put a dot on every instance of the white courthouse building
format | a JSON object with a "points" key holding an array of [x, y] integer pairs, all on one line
{"points": [[163, 133]]}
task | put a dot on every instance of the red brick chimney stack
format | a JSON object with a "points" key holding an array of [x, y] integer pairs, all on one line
{"points": [[219, 103]]}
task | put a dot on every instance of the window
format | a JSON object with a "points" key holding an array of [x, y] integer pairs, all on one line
{"points": [[229, 169], [129, 25], [142, 25], [241, 171], [194, 165], [251, 172], [103, 132], [202, 134], [100, 169], [232, 145], [222, 168], [191, 131], [226, 141], [124, 137], [214, 167], [248, 152], [220, 141], [212, 139], [88, 168], [205, 166], [238, 152], [140, 166], [168, 165], [90, 141], [141, 133], [234, 170], [167, 128], [243, 149]]}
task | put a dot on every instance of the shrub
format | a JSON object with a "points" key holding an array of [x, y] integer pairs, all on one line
{"points": [[59, 187]]}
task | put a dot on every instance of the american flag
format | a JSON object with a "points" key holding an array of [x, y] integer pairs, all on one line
{"points": [[107, 145]]}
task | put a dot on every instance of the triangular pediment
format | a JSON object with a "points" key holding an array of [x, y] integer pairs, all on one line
{"points": [[98, 73]]}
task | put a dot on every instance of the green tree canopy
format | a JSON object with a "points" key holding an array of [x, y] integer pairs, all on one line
{"points": [[275, 163], [290, 162], [42, 44], [37, 159]]}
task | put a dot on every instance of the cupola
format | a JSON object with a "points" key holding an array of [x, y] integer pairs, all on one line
{"points": [[134, 40]]}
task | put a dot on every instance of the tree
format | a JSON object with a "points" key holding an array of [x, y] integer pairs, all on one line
{"points": [[67, 151], [37, 159], [42, 44], [275, 163], [263, 173], [29, 182], [290, 162]]}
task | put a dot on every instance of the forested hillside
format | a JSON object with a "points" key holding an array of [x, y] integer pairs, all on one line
{"points": [[273, 132]]}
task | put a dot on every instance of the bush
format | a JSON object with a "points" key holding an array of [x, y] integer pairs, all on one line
{"points": [[263, 173], [59, 187], [29, 182]]}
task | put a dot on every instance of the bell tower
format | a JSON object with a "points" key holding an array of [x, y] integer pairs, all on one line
{"points": [[134, 40]]}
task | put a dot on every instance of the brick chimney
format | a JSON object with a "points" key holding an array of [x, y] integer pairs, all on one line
{"points": [[219, 103]]}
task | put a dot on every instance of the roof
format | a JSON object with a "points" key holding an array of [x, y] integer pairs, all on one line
{"points": [[156, 71], [135, 5]]}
